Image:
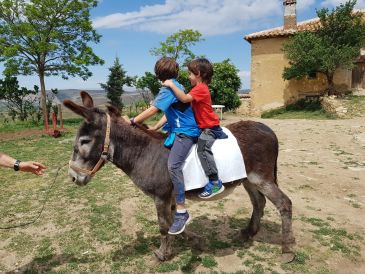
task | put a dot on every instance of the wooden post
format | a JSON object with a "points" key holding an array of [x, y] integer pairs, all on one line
{"points": [[54, 121], [60, 115], [46, 124]]}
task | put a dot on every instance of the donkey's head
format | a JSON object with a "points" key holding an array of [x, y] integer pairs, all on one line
{"points": [[88, 156]]}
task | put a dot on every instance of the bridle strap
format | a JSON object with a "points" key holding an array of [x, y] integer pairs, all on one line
{"points": [[104, 154]]}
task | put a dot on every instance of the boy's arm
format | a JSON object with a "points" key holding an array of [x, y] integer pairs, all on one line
{"points": [[152, 110], [185, 98], [159, 124]]}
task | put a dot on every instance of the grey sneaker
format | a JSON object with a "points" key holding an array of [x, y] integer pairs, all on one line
{"points": [[180, 221]]}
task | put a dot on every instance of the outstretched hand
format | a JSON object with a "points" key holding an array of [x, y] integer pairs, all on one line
{"points": [[34, 167]]}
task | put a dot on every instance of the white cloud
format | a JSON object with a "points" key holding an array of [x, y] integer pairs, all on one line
{"points": [[333, 3], [210, 17], [305, 4]]}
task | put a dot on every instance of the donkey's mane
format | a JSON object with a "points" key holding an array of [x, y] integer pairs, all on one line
{"points": [[139, 129], [155, 134]]}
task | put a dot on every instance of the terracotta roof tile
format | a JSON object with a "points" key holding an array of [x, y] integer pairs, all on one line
{"points": [[281, 32], [311, 24]]}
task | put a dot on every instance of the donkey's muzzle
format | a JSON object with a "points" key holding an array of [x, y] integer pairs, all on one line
{"points": [[77, 178]]}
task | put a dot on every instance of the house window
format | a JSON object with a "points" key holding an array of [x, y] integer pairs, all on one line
{"points": [[312, 75], [362, 51]]}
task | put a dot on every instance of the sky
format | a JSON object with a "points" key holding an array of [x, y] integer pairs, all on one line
{"points": [[130, 29]]}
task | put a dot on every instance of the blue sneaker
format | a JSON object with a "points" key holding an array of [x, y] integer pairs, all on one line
{"points": [[211, 189], [180, 221]]}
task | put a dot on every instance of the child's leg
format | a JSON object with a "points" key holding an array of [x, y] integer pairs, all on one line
{"points": [[177, 156], [205, 154], [205, 143]]}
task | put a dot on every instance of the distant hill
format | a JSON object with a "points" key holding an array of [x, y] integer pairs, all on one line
{"points": [[243, 91], [73, 94], [130, 97], [99, 96]]}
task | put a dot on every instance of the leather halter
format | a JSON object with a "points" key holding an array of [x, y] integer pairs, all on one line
{"points": [[103, 156]]}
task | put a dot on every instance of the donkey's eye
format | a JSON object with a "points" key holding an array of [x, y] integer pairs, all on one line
{"points": [[85, 142]]}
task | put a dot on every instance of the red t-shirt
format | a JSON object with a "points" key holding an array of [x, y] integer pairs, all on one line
{"points": [[202, 107]]}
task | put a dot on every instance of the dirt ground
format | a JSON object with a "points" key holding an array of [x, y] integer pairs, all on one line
{"points": [[4, 136], [321, 168]]}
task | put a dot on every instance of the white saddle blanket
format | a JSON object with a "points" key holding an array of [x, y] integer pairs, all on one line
{"points": [[228, 158]]}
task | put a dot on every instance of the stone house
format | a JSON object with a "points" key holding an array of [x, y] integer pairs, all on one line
{"points": [[268, 89]]}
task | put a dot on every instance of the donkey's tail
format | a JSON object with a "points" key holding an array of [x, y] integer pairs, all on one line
{"points": [[276, 172], [276, 161]]}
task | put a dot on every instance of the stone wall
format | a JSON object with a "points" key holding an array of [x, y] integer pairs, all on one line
{"points": [[269, 90], [358, 92], [245, 107], [334, 106]]}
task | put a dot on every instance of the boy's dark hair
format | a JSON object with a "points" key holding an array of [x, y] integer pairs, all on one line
{"points": [[166, 68], [202, 66]]}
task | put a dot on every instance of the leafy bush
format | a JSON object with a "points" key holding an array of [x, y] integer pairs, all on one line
{"points": [[302, 109], [304, 104], [225, 84]]}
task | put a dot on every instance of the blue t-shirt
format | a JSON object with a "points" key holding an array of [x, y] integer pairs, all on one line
{"points": [[180, 116]]}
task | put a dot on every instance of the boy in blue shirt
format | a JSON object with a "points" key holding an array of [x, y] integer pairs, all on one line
{"points": [[183, 133]]}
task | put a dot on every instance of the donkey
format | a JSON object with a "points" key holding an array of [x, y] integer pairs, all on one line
{"points": [[105, 136]]}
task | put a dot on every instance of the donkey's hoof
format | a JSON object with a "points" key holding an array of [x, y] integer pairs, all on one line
{"points": [[195, 240], [288, 246], [199, 244], [246, 234], [160, 255], [287, 257]]}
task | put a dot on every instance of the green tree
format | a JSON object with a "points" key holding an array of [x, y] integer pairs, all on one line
{"points": [[183, 79], [149, 81], [178, 45], [47, 37], [17, 99], [116, 81], [225, 84], [336, 43]]}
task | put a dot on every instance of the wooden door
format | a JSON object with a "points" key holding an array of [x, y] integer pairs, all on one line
{"points": [[358, 76]]}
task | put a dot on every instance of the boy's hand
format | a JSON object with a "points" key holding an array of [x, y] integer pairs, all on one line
{"points": [[167, 83]]}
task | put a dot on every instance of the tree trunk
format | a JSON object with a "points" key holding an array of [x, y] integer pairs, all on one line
{"points": [[43, 99], [331, 85]]}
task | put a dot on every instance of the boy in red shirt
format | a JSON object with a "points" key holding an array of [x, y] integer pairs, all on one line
{"points": [[200, 75]]}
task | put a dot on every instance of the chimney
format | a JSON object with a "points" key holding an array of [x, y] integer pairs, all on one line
{"points": [[290, 14]]}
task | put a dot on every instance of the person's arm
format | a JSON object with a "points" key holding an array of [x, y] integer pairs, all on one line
{"points": [[180, 94], [152, 110], [6, 160], [29, 166], [159, 124]]}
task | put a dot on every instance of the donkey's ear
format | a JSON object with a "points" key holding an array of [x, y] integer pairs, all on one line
{"points": [[113, 110], [87, 101], [80, 110]]}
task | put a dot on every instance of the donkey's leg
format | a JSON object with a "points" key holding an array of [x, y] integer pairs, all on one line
{"points": [[164, 215], [271, 190], [258, 203]]}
